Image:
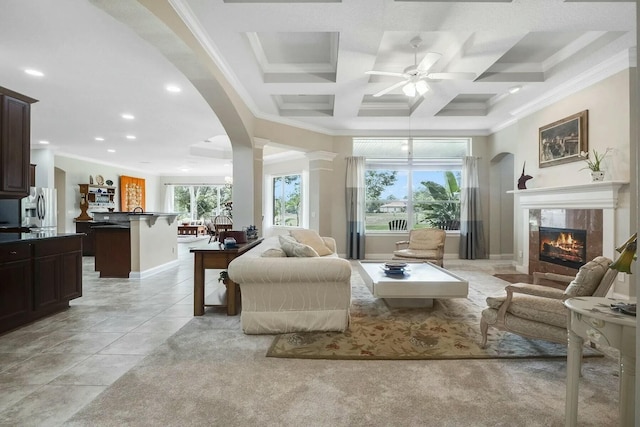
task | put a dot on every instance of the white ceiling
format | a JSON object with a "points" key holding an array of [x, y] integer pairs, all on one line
{"points": [[301, 63]]}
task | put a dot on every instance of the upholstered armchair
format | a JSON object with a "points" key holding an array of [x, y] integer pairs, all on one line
{"points": [[537, 311], [424, 244]]}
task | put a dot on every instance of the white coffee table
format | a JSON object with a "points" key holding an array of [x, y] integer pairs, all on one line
{"points": [[418, 287]]}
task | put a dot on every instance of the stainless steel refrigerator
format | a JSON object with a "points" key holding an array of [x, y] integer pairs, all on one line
{"points": [[39, 209]]}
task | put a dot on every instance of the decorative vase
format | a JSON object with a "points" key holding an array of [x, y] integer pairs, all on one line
{"points": [[597, 176]]}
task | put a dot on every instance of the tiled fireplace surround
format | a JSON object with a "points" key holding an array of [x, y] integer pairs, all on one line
{"points": [[590, 207]]}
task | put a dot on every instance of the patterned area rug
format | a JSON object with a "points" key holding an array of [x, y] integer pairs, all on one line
{"points": [[449, 330]]}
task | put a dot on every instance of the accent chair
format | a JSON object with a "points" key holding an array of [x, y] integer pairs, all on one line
{"points": [[424, 244], [537, 311]]}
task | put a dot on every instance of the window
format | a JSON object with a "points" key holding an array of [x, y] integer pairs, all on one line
{"points": [[414, 181], [287, 200], [200, 201]]}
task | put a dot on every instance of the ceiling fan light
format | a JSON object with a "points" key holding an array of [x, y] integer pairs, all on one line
{"points": [[409, 89], [421, 87]]}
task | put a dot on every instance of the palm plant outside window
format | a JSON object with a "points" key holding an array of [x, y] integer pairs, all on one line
{"points": [[287, 200], [415, 179]]}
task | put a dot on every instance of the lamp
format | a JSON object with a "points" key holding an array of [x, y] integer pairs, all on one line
{"points": [[412, 87], [627, 255]]}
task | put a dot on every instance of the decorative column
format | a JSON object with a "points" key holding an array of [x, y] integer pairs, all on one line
{"points": [[243, 186], [258, 183], [320, 191]]}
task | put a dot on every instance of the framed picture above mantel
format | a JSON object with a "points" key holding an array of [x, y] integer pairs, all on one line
{"points": [[562, 141]]}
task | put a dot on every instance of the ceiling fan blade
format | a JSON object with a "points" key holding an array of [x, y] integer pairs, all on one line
{"points": [[390, 88], [428, 61], [451, 76], [384, 73]]}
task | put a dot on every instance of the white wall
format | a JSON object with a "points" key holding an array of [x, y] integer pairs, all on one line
{"points": [[77, 171]]}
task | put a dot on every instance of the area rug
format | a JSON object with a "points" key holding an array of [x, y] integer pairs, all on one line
{"points": [[449, 330]]}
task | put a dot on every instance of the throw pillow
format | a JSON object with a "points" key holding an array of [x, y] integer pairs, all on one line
{"points": [[273, 253], [313, 239], [295, 249], [588, 278]]}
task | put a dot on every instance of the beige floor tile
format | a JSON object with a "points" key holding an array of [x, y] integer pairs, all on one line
{"points": [[119, 324], [99, 369], [85, 342], [10, 395], [40, 369], [136, 343], [163, 324], [49, 405]]}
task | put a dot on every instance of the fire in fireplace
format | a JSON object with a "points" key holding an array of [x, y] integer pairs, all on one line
{"points": [[563, 246]]}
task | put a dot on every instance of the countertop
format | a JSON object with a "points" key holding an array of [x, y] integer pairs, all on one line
{"points": [[39, 235]]}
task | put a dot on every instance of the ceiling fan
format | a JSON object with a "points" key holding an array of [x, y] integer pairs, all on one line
{"points": [[417, 75]]}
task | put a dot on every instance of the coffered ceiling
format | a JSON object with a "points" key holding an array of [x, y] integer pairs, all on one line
{"points": [[302, 63]]}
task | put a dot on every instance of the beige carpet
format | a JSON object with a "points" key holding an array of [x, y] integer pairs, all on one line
{"points": [[210, 374], [449, 330]]}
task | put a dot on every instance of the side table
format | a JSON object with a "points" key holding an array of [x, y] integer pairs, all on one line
{"points": [[593, 319], [216, 256]]}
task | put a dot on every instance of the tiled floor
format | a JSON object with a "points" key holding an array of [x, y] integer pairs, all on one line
{"points": [[53, 367]]}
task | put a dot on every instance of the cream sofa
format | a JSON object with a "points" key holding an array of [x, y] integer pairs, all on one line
{"points": [[283, 294]]}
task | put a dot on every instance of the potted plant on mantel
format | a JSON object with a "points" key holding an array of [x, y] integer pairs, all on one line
{"points": [[594, 164]]}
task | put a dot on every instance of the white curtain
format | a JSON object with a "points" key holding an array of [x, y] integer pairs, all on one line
{"points": [[355, 207], [472, 245]]}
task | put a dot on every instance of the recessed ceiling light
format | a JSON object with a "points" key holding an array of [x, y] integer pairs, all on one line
{"points": [[226, 165], [33, 72], [99, 138], [43, 142], [173, 88], [128, 116], [515, 89], [185, 169], [111, 150], [131, 137]]}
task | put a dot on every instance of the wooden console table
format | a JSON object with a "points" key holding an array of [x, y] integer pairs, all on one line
{"points": [[216, 256], [592, 318]]}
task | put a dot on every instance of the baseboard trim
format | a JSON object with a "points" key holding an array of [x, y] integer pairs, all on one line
{"points": [[151, 271]]}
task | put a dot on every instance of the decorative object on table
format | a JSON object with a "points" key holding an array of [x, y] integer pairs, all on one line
{"points": [[394, 268], [99, 180], [132, 193], [237, 235], [91, 179], [627, 253], [109, 182], [624, 308], [522, 181], [594, 164], [229, 242], [252, 232], [563, 141]]}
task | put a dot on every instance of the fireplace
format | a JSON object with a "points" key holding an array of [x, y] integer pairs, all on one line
{"points": [[563, 246]]}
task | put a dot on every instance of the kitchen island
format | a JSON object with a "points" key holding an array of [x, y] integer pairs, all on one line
{"points": [[134, 245]]}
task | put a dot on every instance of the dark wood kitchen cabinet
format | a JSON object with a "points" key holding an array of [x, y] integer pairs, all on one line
{"points": [[57, 272], [15, 292], [15, 130], [38, 277]]}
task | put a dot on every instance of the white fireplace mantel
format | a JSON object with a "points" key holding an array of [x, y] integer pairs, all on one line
{"points": [[595, 195]]}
